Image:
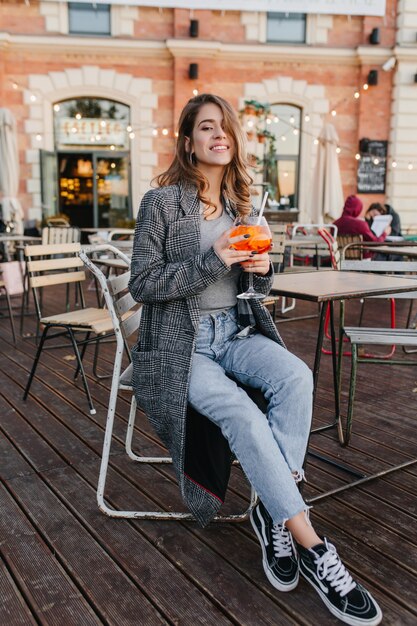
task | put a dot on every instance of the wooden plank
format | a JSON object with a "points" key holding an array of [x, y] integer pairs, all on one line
{"points": [[54, 264], [56, 279], [49, 591], [14, 611], [52, 248]]}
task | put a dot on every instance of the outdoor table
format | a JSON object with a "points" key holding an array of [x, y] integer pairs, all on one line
{"points": [[325, 288], [6, 238]]}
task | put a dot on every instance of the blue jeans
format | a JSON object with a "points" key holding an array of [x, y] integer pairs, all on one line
{"points": [[271, 447]]}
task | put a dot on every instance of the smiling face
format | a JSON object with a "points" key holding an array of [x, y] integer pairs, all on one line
{"points": [[211, 146]]}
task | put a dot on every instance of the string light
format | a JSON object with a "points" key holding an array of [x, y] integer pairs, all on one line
{"points": [[155, 132], [38, 137], [129, 129], [306, 117], [410, 166], [57, 107], [276, 119], [365, 86], [292, 119], [376, 161], [394, 164], [32, 97], [357, 156], [131, 135], [338, 150], [356, 95], [333, 113], [165, 131], [78, 117], [195, 92]]}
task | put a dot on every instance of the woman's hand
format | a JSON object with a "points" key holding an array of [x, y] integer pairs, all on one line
{"points": [[223, 249], [258, 264]]}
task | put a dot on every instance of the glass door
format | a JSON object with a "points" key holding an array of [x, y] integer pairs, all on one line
{"points": [[111, 190], [76, 187]]}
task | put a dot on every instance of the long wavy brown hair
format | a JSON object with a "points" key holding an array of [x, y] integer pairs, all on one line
{"points": [[236, 179]]}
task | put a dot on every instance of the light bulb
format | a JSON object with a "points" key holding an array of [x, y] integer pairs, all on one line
{"points": [[338, 150], [195, 92], [32, 97], [129, 129], [268, 120], [356, 94], [250, 123], [132, 135], [56, 107], [295, 131], [357, 156], [316, 142], [376, 161], [112, 147], [284, 138], [333, 113], [165, 131], [394, 164], [276, 119], [155, 132], [38, 137], [410, 166], [292, 119], [78, 116], [365, 86], [306, 117]]}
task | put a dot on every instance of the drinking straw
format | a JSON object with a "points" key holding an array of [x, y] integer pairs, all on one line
{"points": [[261, 210]]}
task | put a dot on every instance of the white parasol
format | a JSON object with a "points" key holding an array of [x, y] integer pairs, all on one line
{"points": [[9, 171], [326, 196]]}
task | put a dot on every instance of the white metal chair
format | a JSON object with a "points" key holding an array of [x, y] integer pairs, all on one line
{"points": [[121, 304]]}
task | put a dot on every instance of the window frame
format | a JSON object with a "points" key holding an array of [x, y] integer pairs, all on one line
{"points": [[88, 7], [269, 18]]}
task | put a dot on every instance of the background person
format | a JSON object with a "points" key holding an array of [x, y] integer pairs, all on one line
{"points": [[196, 339]]}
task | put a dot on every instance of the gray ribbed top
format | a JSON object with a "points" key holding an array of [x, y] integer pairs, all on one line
{"points": [[220, 295]]}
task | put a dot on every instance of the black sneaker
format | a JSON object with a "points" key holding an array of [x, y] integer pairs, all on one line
{"points": [[346, 599], [279, 554]]}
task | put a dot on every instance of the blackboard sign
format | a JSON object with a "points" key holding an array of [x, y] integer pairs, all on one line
{"points": [[372, 167]]}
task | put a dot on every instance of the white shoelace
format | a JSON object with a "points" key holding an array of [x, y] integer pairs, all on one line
{"points": [[331, 568], [282, 541]]}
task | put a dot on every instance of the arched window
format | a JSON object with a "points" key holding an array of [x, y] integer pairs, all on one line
{"points": [[283, 158]]}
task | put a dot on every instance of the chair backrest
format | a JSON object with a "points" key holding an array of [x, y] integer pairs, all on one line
{"points": [[124, 311], [310, 230], [352, 251], [407, 269], [52, 265], [60, 234], [333, 247], [278, 232]]}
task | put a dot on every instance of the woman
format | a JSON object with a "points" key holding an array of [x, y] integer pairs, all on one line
{"points": [[197, 340]]}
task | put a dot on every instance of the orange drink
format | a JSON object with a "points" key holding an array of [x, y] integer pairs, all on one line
{"points": [[259, 240]]}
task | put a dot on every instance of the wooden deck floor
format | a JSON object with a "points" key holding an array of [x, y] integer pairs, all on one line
{"points": [[64, 563]]}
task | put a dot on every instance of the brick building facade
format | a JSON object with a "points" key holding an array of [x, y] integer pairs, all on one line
{"points": [[144, 65]]}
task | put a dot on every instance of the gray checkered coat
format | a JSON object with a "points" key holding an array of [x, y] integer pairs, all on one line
{"points": [[168, 272]]}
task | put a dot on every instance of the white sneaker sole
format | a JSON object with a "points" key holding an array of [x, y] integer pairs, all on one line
{"points": [[270, 576], [352, 621]]}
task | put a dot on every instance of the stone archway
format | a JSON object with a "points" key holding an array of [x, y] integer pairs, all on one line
{"points": [[311, 99], [52, 87]]}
